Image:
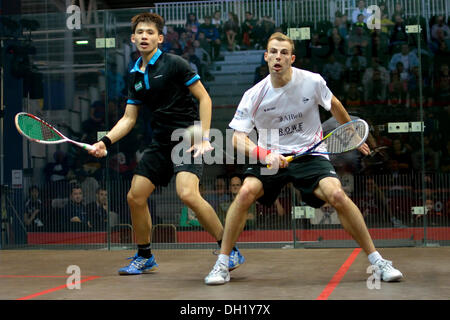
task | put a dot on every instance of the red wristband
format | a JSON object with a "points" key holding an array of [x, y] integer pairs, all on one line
{"points": [[260, 153]]}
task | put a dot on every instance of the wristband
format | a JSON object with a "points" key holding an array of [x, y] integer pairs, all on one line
{"points": [[260, 153], [205, 139], [106, 141]]}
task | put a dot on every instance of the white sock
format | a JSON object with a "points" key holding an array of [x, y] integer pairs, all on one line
{"points": [[224, 259], [374, 257]]}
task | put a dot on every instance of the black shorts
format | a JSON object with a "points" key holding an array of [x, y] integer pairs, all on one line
{"points": [[156, 164], [304, 173]]}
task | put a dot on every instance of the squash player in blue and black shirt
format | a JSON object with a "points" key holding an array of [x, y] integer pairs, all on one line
{"points": [[166, 84]]}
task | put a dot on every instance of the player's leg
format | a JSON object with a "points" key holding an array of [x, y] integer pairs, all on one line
{"points": [[330, 190], [187, 185], [143, 261], [251, 189]]}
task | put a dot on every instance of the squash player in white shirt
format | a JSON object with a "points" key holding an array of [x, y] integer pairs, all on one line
{"points": [[288, 101]]}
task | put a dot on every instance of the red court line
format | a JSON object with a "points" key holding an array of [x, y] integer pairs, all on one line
{"points": [[24, 276], [34, 295], [338, 275]]}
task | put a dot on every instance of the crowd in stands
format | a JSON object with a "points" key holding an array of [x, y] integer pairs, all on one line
{"points": [[369, 70]]}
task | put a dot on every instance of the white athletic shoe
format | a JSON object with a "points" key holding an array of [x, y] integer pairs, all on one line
{"points": [[386, 271], [218, 275]]}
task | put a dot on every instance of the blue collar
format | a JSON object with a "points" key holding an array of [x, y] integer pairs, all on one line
{"points": [[152, 61]]}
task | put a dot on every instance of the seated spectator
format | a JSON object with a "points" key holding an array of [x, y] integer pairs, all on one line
{"points": [[212, 36], [235, 184], [398, 90], [231, 29], [361, 9], [386, 24], [333, 73], [360, 39], [219, 194], [360, 23], [398, 11], [375, 82], [442, 86], [380, 47], [192, 23], [431, 157], [354, 71], [98, 212], [398, 34], [440, 25], [356, 54], [171, 41], [187, 56], [247, 30], [407, 58], [217, 21], [401, 152], [260, 73], [74, 215], [338, 48], [338, 25], [204, 58], [318, 51], [353, 97], [265, 27], [34, 211]]}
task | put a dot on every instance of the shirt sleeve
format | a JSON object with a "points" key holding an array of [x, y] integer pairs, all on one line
{"points": [[324, 94], [243, 119], [132, 96], [185, 72]]}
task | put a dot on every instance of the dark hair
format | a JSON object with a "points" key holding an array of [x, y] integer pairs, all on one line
{"points": [[148, 17]]}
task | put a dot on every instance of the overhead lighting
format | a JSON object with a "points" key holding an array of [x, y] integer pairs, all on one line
{"points": [[82, 42]]}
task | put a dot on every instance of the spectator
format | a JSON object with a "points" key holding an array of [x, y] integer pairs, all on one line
{"points": [[231, 29], [75, 215], [333, 73], [386, 24], [34, 215], [98, 211], [445, 158], [398, 34], [205, 61], [401, 152], [192, 23], [398, 90], [171, 41], [187, 57], [339, 25], [57, 170], [219, 194], [115, 81], [407, 58], [212, 36], [265, 27], [361, 9], [430, 155], [375, 82], [442, 86], [360, 23], [217, 21], [247, 30], [318, 52], [442, 26], [235, 184], [359, 38], [380, 47], [87, 183], [398, 11], [353, 97], [354, 71], [260, 73], [356, 55], [337, 48], [268, 216]]}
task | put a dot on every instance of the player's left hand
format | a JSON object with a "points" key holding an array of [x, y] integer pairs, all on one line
{"points": [[364, 149], [200, 148]]}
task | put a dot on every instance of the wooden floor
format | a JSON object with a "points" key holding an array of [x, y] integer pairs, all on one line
{"points": [[268, 274]]}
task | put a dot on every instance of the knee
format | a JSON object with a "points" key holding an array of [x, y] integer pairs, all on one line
{"points": [[246, 196], [338, 198], [187, 196], [135, 200]]}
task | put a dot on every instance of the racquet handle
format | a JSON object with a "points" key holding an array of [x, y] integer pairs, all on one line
{"points": [[288, 159], [88, 147]]}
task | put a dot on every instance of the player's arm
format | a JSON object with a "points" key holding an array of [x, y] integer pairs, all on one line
{"points": [[205, 109], [121, 129], [341, 115], [243, 144]]}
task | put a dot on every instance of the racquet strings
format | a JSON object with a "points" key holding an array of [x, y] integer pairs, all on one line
{"points": [[347, 137], [36, 129]]}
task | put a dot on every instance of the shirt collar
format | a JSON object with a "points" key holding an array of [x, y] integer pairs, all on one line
{"points": [[152, 61]]}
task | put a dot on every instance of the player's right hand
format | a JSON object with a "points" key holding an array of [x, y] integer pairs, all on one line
{"points": [[275, 160], [99, 151]]}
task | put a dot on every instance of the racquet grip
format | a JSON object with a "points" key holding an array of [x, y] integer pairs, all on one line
{"points": [[288, 159], [91, 147]]}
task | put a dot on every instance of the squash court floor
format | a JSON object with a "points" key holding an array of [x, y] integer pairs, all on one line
{"points": [[267, 274]]}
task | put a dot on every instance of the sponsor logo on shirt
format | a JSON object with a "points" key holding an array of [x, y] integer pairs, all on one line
{"points": [[269, 109], [298, 127], [290, 117], [138, 86], [239, 115]]}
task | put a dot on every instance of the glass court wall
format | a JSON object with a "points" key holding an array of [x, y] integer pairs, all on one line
{"points": [[388, 66]]}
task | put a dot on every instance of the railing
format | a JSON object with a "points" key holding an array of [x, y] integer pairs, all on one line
{"points": [[295, 11]]}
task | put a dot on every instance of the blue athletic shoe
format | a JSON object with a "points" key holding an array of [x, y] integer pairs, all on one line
{"points": [[236, 259], [139, 265]]}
